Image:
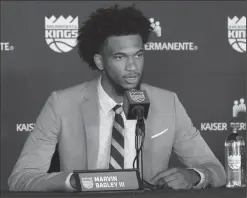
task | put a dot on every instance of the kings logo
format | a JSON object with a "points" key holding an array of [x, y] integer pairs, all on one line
{"points": [[87, 182], [137, 96], [237, 33], [61, 33]]}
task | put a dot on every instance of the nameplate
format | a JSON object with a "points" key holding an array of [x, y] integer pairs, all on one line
{"points": [[107, 180]]}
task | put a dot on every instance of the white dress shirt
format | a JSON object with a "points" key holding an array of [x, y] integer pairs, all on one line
{"points": [[106, 119]]}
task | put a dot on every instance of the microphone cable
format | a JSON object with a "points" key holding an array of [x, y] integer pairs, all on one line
{"points": [[150, 186]]}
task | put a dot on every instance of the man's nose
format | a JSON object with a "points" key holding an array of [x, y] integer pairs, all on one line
{"points": [[131, 64]]}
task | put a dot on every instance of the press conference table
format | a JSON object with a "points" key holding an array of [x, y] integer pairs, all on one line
{"points": [[164, 193]]}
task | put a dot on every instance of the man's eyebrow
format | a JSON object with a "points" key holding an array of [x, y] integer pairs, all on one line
{"points": [[122, 53], [118, 53], [141, 50]]}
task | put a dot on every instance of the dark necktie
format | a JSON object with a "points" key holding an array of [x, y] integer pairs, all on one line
{"points": [[117, 143]]}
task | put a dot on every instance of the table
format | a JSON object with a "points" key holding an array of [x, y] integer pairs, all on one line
{"points": [[167, 193]]}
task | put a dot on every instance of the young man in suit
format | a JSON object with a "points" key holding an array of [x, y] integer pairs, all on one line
{"points": [[92, 130]]}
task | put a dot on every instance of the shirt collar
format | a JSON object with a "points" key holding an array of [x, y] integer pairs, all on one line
{"points": [[105, 101]]}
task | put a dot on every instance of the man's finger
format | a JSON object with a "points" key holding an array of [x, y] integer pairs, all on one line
{"points": [[161, 184], [164, 174], [174, 184], [178, 184], [171, 177]]}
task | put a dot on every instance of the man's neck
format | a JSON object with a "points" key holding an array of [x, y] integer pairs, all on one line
{"points": [[111, 92]]}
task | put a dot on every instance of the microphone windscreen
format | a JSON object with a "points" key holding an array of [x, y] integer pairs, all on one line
{"points": [[132, 99]]}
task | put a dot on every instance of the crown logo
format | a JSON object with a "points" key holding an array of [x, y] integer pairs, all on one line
{"points": [[156, 28], [236, 23], [61, 22], [238, 107]]}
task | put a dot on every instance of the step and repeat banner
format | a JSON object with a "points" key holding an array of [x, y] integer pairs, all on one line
{"points": [[196, 49]]}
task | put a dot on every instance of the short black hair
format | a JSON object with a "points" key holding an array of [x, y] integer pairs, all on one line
{"points": [[106, 22]]}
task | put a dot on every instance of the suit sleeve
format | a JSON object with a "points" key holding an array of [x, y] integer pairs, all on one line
{"points": [[192, 150], [30, 170]]}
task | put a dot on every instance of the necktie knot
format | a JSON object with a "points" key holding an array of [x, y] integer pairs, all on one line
{"points": [[118, 109]]}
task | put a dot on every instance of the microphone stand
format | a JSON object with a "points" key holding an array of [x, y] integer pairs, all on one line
{"points": [[139, 140]]}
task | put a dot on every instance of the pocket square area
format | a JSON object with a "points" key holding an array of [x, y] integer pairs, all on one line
{"points": [[158, 134]]}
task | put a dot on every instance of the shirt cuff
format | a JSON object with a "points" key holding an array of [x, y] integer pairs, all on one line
{"points": [[202, 183], [67, 183]]}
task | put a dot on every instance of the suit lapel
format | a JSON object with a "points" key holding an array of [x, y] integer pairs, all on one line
{"points": [[153, 163], [147, 151], [90, 112]]}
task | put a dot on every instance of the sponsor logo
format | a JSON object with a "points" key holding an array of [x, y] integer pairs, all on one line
{"points": [[6, 46], [61, 33], [25, 127], [237, 33], [156, 28], [171, 46], [167, 46], [137, 96], [238, 107], [87, 182], [234, 161]]}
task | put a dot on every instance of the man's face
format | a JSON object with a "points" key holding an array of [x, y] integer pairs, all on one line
{"points": [[123, 61]]}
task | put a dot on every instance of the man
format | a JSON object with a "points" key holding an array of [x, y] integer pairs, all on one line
{"points": [[93, 132]]}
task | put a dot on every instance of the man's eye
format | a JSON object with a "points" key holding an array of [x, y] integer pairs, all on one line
{"points": [[139, 55], [118, 57]]}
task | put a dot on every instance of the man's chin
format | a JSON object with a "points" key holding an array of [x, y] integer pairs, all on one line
{"points": [[131, 86]]}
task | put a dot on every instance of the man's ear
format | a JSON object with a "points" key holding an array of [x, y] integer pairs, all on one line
{"points": [[98, 61]]}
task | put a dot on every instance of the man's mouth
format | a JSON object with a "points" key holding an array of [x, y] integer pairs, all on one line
{"points": [[131, 79]]}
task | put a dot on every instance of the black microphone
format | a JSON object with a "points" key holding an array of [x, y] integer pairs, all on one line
{"points": [[136, 104]]}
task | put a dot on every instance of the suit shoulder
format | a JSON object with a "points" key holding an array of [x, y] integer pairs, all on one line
{"points": [[72, 90], [69, 96], [157, 91]]}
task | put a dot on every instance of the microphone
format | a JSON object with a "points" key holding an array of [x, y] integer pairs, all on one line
{"points": [[136, 104]]}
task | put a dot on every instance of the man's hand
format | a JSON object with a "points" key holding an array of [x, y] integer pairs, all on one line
{"points": [[72, 181], [177, 178]]}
